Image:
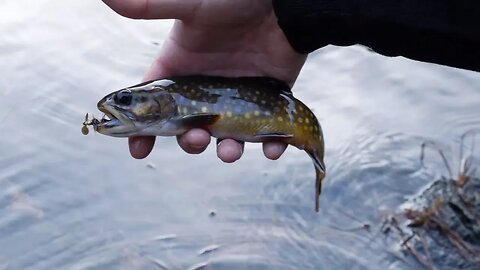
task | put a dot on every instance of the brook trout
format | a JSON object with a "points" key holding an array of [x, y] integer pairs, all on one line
{"points": [[251, 109]]}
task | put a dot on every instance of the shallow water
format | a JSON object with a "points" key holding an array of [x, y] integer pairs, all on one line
{"points": [[73, 202]]}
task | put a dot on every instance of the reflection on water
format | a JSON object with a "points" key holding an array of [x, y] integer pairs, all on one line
{"points": [[73, 202]]}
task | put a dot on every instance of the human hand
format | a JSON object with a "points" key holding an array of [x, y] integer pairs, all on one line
{"points": [[215, 37]]}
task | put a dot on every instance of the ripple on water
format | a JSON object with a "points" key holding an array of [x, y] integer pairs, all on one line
{"points": [[463, 121], [74, 202]]}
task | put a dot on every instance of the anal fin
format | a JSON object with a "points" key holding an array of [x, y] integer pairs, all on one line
{"points": [[273, 136]]}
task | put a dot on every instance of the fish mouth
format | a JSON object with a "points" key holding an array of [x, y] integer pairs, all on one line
{"points": [[112, 118]]}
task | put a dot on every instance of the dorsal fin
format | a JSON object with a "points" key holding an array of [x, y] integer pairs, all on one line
{"points": [[275, 83], [260, 81]]}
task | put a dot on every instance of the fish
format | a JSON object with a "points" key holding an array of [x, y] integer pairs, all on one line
{"points": [[250, 109]]}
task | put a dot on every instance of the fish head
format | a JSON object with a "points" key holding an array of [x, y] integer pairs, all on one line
{"points": [[130, 111]]}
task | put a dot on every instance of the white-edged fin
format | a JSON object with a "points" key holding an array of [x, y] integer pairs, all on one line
{"points": [[316, 161], [319, 175]]}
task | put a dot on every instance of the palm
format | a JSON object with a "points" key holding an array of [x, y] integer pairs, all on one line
{"points": [[214, 41]]}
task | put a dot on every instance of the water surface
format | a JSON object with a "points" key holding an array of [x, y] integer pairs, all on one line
{"points": [[73, 202]]}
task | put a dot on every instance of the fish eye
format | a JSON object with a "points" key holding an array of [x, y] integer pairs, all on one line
{"points": [[123, 97]]}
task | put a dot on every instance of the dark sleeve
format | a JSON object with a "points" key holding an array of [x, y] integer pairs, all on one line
{"points": [[445, 32]]}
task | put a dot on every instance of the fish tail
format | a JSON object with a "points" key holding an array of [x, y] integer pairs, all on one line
{"points": [[318, 188], [319, 175]]}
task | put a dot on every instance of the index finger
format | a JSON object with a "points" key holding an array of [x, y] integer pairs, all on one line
{"points": [[140, 147], [153, 9]]}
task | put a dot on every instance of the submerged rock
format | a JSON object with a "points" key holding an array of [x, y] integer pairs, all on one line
{"points": [[440, 227]]}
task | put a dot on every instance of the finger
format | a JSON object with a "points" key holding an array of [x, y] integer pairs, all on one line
{"points": [[194, 141], [153, 9], [229, 150], [274, 150], [141, 146]]}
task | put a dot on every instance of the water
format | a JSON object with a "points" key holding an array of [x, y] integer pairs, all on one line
{"points": [[73, 202]]}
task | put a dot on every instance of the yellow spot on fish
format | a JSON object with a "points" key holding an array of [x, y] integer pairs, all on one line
{"points": [[307, 121], [280, 119], [194, 103], [300, 120], [247, 115], [256, 113], [229, 114], [301, 108], [204, 109], [263, 101]]}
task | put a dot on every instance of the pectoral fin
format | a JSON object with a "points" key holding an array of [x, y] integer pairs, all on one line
{"points": [[198, 119]]}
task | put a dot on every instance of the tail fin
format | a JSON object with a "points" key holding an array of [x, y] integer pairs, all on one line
{"points": [[319, 175]]}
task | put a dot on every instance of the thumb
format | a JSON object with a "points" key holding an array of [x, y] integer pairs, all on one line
{"points": [[153, 9]]}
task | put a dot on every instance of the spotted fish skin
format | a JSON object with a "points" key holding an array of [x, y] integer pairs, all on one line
{"points": [[251, 109]]}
